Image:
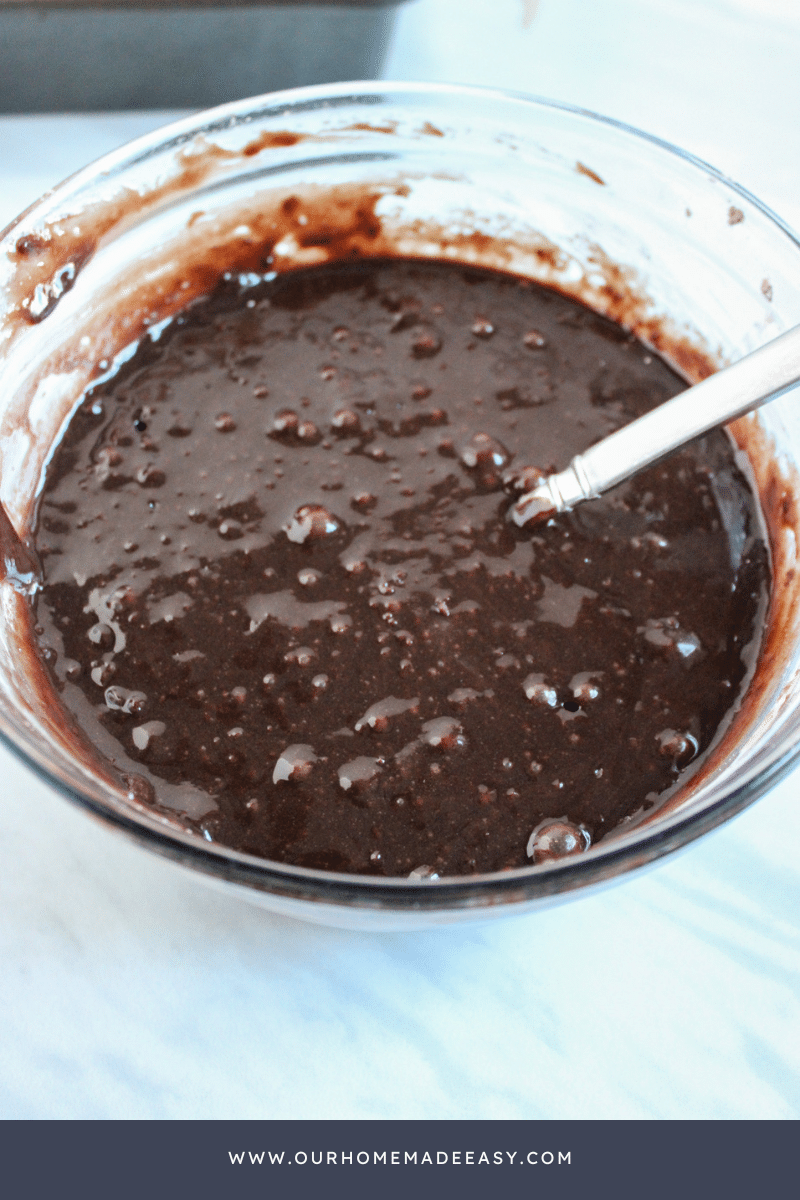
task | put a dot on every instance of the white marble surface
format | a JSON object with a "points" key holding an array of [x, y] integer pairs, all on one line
{"points": [[128, 990]]}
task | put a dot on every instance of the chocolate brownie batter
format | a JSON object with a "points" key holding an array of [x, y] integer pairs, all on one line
{"points": [[281, 590]]}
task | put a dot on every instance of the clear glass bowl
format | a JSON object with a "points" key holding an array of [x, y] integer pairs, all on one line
{"points": [[634, 227]]}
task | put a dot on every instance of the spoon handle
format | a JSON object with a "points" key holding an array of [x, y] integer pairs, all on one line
{"points": [[749, 383]]}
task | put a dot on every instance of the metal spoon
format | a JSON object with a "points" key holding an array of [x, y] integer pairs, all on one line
{"points": [[749, 383]]}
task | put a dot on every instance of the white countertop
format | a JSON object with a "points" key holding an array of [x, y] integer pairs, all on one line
{"points": [[128, 990]]}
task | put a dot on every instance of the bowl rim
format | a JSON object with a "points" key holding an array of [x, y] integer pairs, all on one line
{"points": [[615, 854]]}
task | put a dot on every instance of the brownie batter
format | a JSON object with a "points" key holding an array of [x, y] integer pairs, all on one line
{"points": [[281, 590]]}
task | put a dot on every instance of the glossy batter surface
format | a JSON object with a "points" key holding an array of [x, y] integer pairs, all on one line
{"points": [[281, 591]]}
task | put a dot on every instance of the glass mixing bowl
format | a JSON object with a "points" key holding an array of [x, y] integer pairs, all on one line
{"points": [[637, 229]]}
